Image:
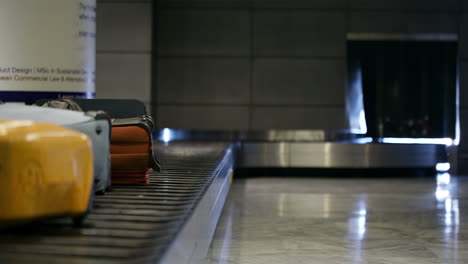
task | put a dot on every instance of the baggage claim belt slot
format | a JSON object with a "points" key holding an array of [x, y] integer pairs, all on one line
{"points": [[133, 223]]}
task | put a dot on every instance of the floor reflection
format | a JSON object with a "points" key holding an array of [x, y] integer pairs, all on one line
{"points": [[313, 220], [448, 204], [442, 192]]}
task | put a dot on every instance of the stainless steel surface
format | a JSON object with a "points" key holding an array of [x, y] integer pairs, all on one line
{"points": [[403, 36], [318, 135], [339, 155], [192, 243], [338, 220], [269, 154], [130, 223]]}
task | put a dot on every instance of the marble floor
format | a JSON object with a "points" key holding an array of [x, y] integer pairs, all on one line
{"points": [[339, 220]]}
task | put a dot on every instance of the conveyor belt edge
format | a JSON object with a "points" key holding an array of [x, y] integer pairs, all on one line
{"points": [[192, 243]]}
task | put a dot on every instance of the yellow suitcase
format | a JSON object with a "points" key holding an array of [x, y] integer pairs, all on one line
{"points": [[46, 171]]}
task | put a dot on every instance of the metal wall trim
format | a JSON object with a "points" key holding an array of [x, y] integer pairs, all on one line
{"points": [[403, 36], [339, 155]]}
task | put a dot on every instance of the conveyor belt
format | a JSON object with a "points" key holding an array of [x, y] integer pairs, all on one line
{"points": [[129, 224]]}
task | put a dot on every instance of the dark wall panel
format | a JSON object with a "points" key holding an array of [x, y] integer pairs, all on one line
{"points": [[463, 44], [216, 55], [122, 19], [124, 1], [318, 4], [402, 22], [464, 131], [297, 118], [204, 3], [203, 32], [123, 41], [299, 81], [463, 83], [203, 117], [131, 79], [299, 33], [204, 80]]}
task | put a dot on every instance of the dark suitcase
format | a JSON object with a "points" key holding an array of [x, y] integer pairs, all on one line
{"points": [[116, 108], [131, 141]]}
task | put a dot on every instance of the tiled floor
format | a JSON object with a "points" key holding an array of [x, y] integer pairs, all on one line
{"points": [[339, 220]]}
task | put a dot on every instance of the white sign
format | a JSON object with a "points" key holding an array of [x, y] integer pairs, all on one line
{"points": [[47, 47]]}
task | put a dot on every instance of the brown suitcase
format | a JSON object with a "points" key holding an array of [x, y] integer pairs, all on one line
{"points": [[131, 150], [132, 157]]}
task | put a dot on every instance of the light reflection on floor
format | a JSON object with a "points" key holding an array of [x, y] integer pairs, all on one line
{"points": [[339, 220]]}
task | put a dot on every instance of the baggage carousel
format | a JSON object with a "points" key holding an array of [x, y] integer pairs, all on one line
{"points": [[173, 219], [170, 220], [323, 149]]}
